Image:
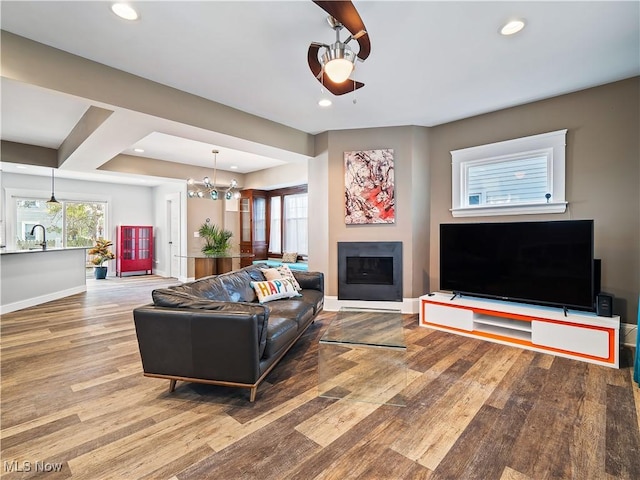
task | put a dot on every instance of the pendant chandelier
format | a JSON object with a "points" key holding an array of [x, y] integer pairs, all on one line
{"points": [[207, 188]]}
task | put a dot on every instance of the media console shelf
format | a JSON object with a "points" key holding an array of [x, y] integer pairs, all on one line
{"points": [[578, 335]]}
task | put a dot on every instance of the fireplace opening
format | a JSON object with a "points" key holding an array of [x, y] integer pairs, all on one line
{"points": [[370, 270]]}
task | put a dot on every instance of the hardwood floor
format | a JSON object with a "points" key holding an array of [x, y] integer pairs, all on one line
{"points": [[75, 403]]}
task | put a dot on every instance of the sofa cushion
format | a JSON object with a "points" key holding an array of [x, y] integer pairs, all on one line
{"points": [[255, 272], [177, 297], [210, 288], [238, 286], [314, 298], [280, 333], [274, 289], [312, 280], [293, 308]]}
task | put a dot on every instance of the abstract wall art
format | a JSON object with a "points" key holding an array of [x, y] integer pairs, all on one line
{"points": [[369, 187]]}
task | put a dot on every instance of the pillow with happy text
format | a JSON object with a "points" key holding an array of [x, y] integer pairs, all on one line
{"points": [[275, 289], [283, 271]]}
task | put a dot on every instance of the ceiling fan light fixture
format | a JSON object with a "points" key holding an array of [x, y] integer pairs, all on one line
{"points": [[339, 62]]}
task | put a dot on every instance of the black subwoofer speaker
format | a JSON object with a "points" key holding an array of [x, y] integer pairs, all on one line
{"points": [[604, 304]]}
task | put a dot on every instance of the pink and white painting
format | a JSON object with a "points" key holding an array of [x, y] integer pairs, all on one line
{"points": [[369, 187]]}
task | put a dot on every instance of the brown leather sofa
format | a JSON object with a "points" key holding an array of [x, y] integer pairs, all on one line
{"points": [[214, 331]]}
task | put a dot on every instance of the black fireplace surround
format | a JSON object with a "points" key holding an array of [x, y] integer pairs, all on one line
{"points": [[370, 271]]}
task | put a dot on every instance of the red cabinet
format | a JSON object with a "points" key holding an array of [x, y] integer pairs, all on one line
{"points": [[134, 249]]}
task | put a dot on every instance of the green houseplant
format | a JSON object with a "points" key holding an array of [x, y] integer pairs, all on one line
{"points": [[101, 254], [217, 239]]}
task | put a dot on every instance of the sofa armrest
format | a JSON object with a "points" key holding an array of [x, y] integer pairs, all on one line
{"points": [[224, 342], [309, 280]]}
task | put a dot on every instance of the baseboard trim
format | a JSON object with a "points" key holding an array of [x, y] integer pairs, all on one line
{"points": [[407, 305], [32, 302]]}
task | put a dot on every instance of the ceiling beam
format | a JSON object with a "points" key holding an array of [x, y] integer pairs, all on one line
{"points": [[37, 64], [86, 126]]}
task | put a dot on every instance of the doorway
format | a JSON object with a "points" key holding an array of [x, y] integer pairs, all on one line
{"points": [[173, 260]]}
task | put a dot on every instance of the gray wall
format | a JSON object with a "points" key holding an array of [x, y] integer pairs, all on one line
{"points": [[602, 183], [410, 148], [602, 174]]}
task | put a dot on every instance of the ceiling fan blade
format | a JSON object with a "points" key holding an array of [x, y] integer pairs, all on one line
{"points": [[312, 59], [341, 88], [345, 13]]}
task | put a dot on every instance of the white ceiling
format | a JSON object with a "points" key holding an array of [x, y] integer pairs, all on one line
{"points": [[430, 62]]}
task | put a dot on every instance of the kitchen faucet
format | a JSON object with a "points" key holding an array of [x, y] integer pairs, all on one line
{"points": [[44, 235]]}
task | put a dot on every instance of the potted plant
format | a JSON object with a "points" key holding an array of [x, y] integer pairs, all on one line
{"points": [[101, 254], [217, 240]]}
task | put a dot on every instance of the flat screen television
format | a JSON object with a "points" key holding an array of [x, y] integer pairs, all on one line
{"points": [[545, 263]]}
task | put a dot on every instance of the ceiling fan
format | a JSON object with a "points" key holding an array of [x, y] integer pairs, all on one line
{"points": [[338, 60]]}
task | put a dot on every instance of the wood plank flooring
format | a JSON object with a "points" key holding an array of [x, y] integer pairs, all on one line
{"points": [[75, 405]]}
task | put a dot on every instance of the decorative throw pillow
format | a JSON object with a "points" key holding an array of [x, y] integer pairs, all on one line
{"points": [[291, 257], [271, 274], [285, 272], [274, 289]]}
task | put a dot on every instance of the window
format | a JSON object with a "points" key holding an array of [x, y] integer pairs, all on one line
{"points": [[295, 223], [520, 176], [275, 230], [288, 228], [259, 219], [67, 224]]}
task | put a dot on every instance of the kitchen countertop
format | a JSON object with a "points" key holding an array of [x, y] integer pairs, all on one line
{"points": [[8, 251]]}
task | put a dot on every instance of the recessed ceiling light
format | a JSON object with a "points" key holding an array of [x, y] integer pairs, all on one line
{"points": [[233, 167], [124, 10], [325, 102], [138, 150], [514, 26]]}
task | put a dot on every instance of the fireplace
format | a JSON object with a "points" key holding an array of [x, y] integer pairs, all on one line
{"points": [[370, 271]]}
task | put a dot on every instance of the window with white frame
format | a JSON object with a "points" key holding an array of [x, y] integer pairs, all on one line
{"points": [[67, 223], [295, 223], [521, 176], [288, 220], [275, 230]]}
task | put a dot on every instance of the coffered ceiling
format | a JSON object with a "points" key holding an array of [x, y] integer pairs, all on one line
{"points": [[430, 63]]}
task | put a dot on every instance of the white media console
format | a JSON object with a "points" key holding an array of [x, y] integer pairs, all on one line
{"points": [[578, 335]]}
